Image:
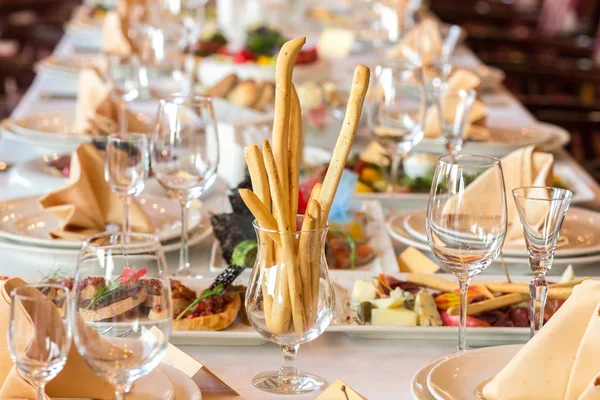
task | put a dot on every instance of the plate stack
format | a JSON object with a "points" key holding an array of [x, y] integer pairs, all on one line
{"points": [[579, 242]]}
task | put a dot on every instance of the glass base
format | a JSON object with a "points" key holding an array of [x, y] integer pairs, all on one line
{"points": [[186, 272], [301, 383]]}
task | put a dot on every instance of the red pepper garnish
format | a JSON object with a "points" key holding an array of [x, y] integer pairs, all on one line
{"points": [[132, 275]]}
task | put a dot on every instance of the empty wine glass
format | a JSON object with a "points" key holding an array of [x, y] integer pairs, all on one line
{"points": [[465, 228], [123, 75], [290, 301], [542, 211], [453, 107], [396, 111], [39, 333], [126, 169], [122, 307], [185, 155]]}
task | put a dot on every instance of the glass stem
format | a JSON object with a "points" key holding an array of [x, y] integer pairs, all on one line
{"points": [[538, 290], [119, 395], [122, 117], [396, 164], [288, 371], [184, 258], [464, 301], [41, 391], [126, 225]]}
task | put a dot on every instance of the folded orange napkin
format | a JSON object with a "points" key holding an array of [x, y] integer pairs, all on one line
{"points": [[523, 167], [76, 380], [86, 205], [592, 392], [114, 34], [340, 391], [96, 112], [561, 359], [424, 40]]}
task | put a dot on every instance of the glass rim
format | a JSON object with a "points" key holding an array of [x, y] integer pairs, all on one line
{"points": [[127, 137], [491, 160], [150, 238], [180, 99], [445, 91], [399, 64], [14, 293], [567, 193], [256, 226]]}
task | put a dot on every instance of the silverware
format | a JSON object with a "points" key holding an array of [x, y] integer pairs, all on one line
{"points": [[48, 96]]}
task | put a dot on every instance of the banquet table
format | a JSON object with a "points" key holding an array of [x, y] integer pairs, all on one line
{"points": [[378, 369]]}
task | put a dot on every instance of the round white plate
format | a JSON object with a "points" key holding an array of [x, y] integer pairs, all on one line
{"points": [[51, 125], [44, 142], [71, 64], [154, 386], [457, 377], [580, 233], [184, 387], [24, 221], [418, 384], [505, 140], [396, 230]]}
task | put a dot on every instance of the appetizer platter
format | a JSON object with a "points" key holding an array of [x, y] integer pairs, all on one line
{"points": [[418, 306]]}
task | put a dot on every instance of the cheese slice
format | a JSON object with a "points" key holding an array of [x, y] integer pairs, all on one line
{"points": [[339, 390], [412, 260], [335, 43], [394, 317]]}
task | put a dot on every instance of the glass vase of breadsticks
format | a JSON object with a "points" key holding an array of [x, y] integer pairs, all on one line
{"points": [[290, 298]]}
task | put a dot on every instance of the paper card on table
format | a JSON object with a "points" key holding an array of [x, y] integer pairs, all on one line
{"points": [[412, 260], [206, 380], [339, 390], [335, 43]]}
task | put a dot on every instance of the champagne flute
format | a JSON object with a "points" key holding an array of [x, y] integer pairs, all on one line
{"points": [[453, 108], [126, 169], [396, 111], [121, 307], [39, 333], [466, 229], [123, 75], [185, 155]]}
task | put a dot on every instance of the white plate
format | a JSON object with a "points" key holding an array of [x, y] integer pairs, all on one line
{"points": [[379, 240], [505, 140], [418, 383], [457, 377], [481, 336], [70, 65], [580, 233], [154, 386], [185, 388], [237, 334], [44, 142], [24, 221]]}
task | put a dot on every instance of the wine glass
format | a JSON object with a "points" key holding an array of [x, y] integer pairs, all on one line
{"points": [[396, 111], [466, 228], [122, 307], [126, 169], [290, 301], [123, 75], [453, 107], [542, 211], [39, 333], [185, 155]]}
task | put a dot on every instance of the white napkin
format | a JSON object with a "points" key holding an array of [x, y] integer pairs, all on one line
{"points": [[560, 359]]}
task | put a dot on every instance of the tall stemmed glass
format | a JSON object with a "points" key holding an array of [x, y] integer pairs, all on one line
{"points": [[121, 307], [185, 155], [396, 111], [465, 229], [453, 107], [126, 169], [542, 211], [39, 333], [123, 75]]}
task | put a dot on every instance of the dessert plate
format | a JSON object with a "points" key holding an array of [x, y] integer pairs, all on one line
{"points": [[580, 233], [458, 377], [185, 388], [23, 220], [71, 64], [418, 383]]}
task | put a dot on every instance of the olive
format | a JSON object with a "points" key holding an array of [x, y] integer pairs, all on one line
{"points": [[363, 313]]}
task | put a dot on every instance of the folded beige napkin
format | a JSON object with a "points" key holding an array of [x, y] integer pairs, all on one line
{"points": [[523, 167], [561, 359], [76, 380], [475, 126], [96, 112], [424, 40], [114, 34], [86, 205], [592, 392], [340, 391]]}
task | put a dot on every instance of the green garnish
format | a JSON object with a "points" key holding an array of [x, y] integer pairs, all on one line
{"points": [[351, 244], [216, 291], [244, 253], [54, 275]]}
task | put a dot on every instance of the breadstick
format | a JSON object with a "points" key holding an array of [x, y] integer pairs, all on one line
{"points": [[304, 258], [287, 244], [503, 287], [261, 213], [258, 174], [283, 91], [315, 209], [343, 146], [295, 132], [432, 282], [492, 304]]}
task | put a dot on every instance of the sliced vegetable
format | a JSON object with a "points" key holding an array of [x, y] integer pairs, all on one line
{"points": [[449, 320]]}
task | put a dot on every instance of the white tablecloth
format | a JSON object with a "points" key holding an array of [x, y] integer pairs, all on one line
{"points": [[379, 369]]}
